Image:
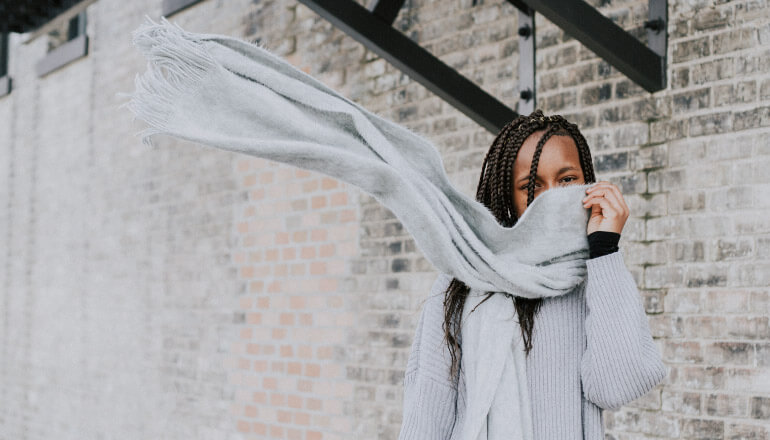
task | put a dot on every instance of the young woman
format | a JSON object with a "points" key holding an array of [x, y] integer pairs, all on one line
{"points": [[586, 351]]}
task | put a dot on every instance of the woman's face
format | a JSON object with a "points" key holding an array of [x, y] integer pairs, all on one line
{"points": [[559, 165]]}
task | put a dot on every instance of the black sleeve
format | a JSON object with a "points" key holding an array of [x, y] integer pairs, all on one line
{"points": [[602, 243]]}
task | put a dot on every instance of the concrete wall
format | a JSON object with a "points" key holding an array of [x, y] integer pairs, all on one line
{"points": [[187, 292]]}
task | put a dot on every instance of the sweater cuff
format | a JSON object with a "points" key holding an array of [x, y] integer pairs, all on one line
{"points": [[602, 243]]}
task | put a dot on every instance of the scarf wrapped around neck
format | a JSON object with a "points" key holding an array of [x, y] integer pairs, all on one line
{"points": [[226, 93]]}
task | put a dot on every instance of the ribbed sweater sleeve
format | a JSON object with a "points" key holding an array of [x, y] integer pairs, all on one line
{"points": [[621, 361], [429, 396]]}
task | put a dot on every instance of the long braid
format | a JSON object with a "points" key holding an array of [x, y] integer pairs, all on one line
{"points": [[508, 209], [535, 160], [585, 153], [495, 191]]}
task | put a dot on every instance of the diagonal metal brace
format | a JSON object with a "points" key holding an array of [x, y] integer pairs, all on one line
{"points": [[380, 37]]}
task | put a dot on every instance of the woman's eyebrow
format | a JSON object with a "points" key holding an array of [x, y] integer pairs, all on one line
{"points": [[567, 168]]}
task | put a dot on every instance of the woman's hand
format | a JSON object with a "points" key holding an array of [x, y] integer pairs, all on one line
{"points": [[609, 211]]}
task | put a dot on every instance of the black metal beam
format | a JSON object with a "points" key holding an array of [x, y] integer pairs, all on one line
{"points": [[407, 56], [605, 38], [386, 10]]}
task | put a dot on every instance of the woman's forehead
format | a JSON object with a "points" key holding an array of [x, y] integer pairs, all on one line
{"points": [[557, 146]]}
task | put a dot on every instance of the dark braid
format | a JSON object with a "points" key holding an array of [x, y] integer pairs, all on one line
{"points": [[495, 191], [535, 160], [585, 154], [498, 189]]}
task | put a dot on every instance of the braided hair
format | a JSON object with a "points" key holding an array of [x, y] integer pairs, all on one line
{"points": [[495, 191]]}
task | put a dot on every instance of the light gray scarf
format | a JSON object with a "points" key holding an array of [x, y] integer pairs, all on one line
{"points": [[230, 94]]}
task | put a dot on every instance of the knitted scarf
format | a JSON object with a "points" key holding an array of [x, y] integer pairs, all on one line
{"points": [[226, 93]]}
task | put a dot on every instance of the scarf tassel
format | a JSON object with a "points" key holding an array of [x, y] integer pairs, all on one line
{"points": [[177, 62]]}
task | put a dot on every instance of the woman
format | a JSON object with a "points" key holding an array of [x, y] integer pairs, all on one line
{"points": [[587, 350]]}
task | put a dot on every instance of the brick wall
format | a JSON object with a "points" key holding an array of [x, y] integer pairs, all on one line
{"points": [[189, 292]]}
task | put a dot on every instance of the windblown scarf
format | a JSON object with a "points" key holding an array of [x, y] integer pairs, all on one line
{"points": [[230, 94]]}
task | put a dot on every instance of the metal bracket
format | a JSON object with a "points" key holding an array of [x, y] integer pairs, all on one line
{"points": [[527, 87], [644, 65], [657, 34]]}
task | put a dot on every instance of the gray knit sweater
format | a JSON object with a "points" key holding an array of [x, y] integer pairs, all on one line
{"points": [[591, 350]]}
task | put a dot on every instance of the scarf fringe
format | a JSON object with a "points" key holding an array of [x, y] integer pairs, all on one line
{"points": [[177, 63]]}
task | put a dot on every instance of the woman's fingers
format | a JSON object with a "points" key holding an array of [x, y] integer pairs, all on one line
{"points": [[616, 201], [612, 193], [617, 196], [608, 207], [609, 210]]}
